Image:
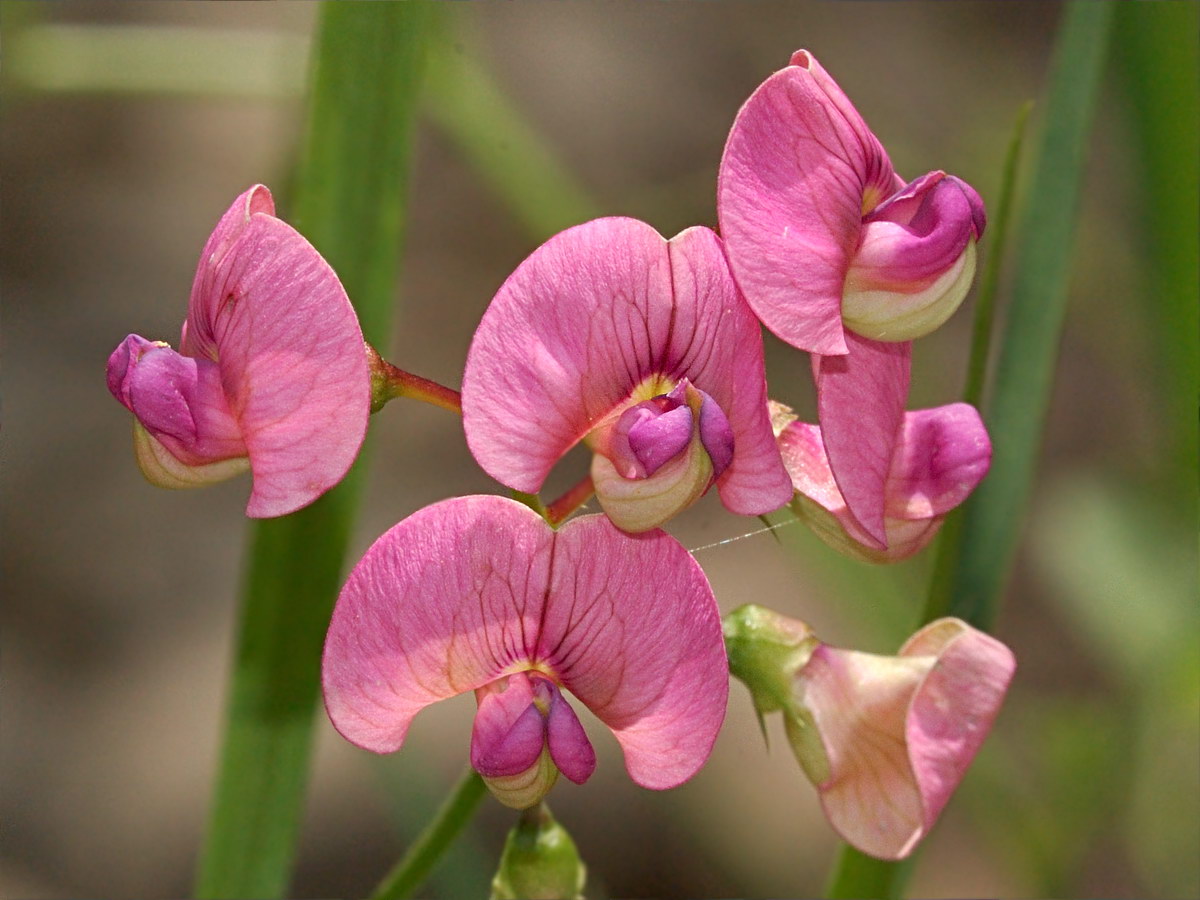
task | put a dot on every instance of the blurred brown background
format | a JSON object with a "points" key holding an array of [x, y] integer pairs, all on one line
{"points": [[119, 598]]}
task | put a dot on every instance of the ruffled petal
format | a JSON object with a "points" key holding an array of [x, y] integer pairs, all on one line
{"points": [[472, 589], [955, 707], [596, 312], [580, 323], [800, 169]]}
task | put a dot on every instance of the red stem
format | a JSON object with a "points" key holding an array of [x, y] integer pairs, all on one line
{"points": [[575, 497]]}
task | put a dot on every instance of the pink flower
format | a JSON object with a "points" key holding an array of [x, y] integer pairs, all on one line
{"points": [[644, 349], [885, 739], [271, 372], [822, 234], [479, 594], [940, 455]]}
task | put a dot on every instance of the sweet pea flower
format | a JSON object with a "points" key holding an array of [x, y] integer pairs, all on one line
{"points": [[885, 739], [271, 372], [480, 594], [644, 349], [941, 454], [823, 235]]}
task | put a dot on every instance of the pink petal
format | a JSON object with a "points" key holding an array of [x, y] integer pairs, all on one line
{"points": [[716, 342], [858, 702], [292, 363], [509, 731], [916, 260], [915, 235], [634, 632], [955, 707], [570, 748], [860, 401], [799, 169], [199, 330], [570, 333], [943, 454], [447, 601]]}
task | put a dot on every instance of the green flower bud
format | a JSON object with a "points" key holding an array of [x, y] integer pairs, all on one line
{"points": [[539, 862]]}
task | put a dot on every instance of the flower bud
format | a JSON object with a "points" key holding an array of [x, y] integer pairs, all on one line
{"points": [[525, 733], [184, 434], [539, 861]]}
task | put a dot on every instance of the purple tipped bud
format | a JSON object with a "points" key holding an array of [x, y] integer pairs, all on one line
{"points": [[715, 433], [655, 432], [525, 733], [915, 259], [123, 359]]}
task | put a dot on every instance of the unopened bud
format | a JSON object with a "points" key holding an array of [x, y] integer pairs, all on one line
{"points": [[539, 862]]}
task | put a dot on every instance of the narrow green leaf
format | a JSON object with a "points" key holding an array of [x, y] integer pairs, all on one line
{"points": [[349, 201], [1016, 410], [423, 855]]}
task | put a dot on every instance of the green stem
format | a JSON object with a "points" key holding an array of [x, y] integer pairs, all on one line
{"points": [[423, 855], [349, 198], [976, 556], [857, 875]]}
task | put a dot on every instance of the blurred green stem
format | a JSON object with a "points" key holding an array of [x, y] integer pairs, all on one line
{"points": [[972, 571], [425, 852], [349, 202]]}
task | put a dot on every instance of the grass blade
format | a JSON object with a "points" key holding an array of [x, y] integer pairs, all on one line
{"points": [[1020, 395], [349, 201]]}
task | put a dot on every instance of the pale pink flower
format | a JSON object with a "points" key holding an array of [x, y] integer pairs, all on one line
{"points": [[823, 235], [271, 372], [480, 594], [644, 349], [885, 739]]}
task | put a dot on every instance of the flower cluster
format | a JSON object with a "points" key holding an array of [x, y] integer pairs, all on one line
{"points": [[649, 351]]}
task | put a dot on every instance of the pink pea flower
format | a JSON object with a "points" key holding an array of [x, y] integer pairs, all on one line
{"points": [[644, 349], [480, 594], [823, 235], [941, 454], [885, 739], [271, 372]]}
